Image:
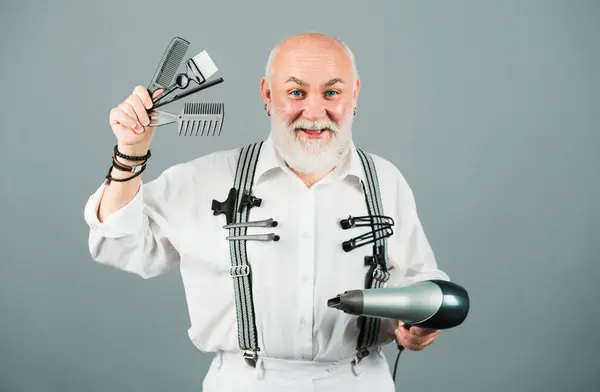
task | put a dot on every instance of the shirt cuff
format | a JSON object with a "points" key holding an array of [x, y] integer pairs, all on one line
{"points": [[125, 221]]}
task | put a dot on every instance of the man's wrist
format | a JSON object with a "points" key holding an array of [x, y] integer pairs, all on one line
{"points": [[128, 162], [131, 155], [137, 151]]}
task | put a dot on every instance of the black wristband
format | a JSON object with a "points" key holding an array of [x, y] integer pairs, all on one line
{"points": [[132, 157], [109, 178]]}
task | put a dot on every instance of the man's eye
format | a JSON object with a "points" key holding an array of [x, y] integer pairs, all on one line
{"points": [[331, 93], [297, 93]]}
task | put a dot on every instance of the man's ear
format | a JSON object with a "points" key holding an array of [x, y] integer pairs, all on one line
{"points": [[265, 92], [356, 92]]}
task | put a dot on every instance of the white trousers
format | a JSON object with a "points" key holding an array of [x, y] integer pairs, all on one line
{"points": [[229, 372]]}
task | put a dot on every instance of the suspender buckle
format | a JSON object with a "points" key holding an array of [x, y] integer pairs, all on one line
{"points": [[377, 258], [239, 271], [360, 354], [381, 275], [251, 357]]}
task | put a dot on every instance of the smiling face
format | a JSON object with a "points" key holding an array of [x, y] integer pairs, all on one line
{"points": [[311, 95]]}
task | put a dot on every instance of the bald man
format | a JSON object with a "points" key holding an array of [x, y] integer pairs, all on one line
{"points": [[267, 321]]}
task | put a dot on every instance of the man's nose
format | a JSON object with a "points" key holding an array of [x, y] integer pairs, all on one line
{"points": [[314, 108]]}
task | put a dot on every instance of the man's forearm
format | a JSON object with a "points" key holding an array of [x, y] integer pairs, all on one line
{"points": [[118, 194]]}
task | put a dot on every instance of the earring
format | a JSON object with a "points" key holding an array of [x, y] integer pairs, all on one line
{"points": [[355, 111], [268, 113]]}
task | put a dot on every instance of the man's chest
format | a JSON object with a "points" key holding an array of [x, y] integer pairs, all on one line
{"points": [[308, 253]]}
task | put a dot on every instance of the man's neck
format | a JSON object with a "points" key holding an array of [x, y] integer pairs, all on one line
{"points": [[309, 179]]}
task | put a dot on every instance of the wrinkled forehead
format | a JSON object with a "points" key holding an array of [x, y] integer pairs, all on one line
{"points": [[313, 63]]}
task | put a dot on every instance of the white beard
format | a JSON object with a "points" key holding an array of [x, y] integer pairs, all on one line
{"points": [[311, 155]]}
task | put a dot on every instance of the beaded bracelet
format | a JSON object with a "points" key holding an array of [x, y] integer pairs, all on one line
{"points": [[132, 157]]}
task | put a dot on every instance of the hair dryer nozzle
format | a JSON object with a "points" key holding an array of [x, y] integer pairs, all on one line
{"points": [[433, 304], [350, 302]]}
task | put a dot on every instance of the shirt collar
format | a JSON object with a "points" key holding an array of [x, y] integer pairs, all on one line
{"points": [[353, 167], [270, 160]]}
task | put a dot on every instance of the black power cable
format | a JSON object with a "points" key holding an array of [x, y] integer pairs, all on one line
{"points": [[400, 349]]}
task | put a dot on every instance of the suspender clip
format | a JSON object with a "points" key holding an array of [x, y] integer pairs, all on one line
{"points": [[226, 207], [347, 223], [377, 258], [251, 357], [349, 245], [249, 201]]}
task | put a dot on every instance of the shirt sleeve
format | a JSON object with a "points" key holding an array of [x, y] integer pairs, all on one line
{"points": [[416, 261], [409, 251], [139, 238]]}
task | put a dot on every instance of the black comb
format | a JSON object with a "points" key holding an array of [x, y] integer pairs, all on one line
{"points": [[169, 64]]}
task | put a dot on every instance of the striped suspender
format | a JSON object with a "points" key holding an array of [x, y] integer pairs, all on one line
{"points": [[240, 269], [237, 207], [377, 275]]}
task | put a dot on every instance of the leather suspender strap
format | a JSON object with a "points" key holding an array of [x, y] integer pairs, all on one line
{"points": [[378, 274], [241, 271]]}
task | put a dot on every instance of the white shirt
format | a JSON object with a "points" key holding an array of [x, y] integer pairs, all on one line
{"points": [[169, 223]]}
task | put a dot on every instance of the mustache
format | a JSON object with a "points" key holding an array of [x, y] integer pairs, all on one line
{"points": [[317, 124]]}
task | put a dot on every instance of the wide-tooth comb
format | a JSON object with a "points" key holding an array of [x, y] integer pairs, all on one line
{"points": [[195, 118], [169, 64]]}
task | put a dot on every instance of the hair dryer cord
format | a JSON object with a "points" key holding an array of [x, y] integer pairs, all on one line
{"points": [[400, 349]]}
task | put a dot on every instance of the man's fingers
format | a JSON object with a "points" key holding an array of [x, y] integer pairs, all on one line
{"points": [[430, 340], [118, 116], [415, 338], [138, 107], [128, 110], [418, 331], [402, 330], [142, 93]]}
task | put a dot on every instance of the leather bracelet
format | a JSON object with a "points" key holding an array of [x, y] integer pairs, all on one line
{"points": [[109, 178], [131, 169], [132, 157]]}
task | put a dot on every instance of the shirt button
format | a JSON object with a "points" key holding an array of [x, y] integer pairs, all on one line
{"points": [[305, 234], [303, 320], [304, 278]]}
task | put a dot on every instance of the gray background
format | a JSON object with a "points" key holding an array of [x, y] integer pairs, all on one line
{"points": [[490, 109]]}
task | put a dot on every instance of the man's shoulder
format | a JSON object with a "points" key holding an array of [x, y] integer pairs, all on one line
{"points": [[215, 159], [215, 162], [385, 168], [390, 177]]}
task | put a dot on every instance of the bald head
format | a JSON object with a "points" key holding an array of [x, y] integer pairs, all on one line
{"points": [[309, 43]]}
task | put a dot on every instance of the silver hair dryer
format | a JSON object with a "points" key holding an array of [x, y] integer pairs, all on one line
{"points": [[436, 304]]}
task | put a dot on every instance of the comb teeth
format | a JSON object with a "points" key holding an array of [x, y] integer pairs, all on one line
{"points": [[172, 61], [201, 119], [202, 127], [203, 108]]}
